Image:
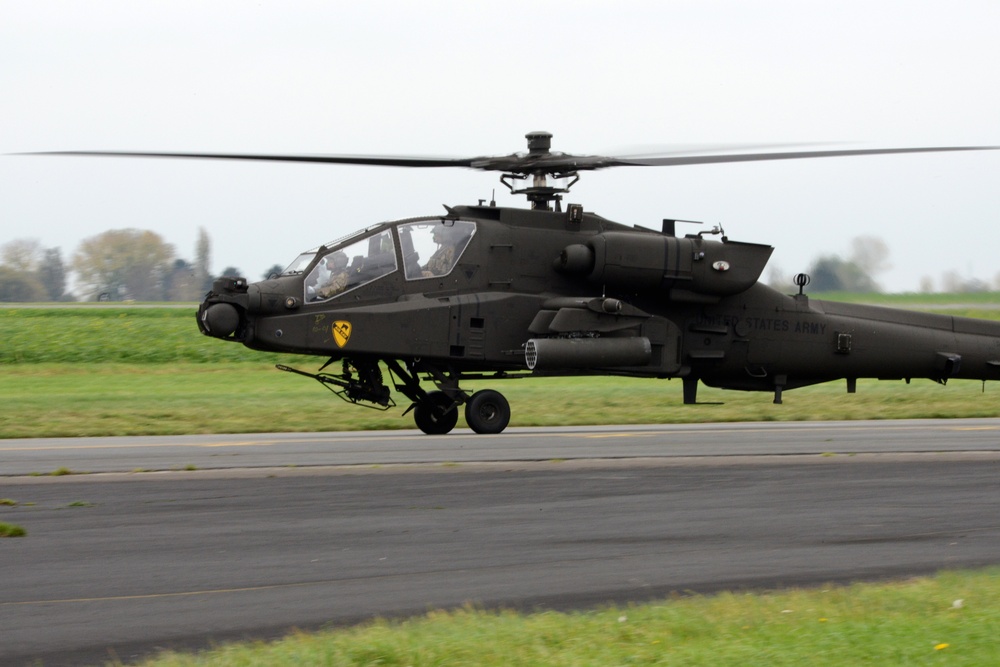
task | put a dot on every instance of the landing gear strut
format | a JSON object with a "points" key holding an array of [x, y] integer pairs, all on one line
{"points": [[436, 412]]}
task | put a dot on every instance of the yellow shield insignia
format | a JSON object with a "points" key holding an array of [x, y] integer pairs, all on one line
{"points": [[341, 332]]}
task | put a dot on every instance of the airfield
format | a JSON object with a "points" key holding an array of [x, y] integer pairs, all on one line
{"points": [[187, 541]]}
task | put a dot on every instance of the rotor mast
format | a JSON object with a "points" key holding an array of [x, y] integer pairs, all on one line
{"points": [[538, 167]]}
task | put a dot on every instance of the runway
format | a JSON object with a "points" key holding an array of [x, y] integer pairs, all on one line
{"points": [[277, 450], [273, 532]]}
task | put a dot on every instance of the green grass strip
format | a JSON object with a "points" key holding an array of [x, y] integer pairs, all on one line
{"points": [[950, 619]]}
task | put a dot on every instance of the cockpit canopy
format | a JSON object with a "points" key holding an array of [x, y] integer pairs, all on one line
{"points": [[424, 248]]}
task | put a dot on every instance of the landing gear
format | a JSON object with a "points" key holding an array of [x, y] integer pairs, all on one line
{"points": [[487, 412], [435, 413]]}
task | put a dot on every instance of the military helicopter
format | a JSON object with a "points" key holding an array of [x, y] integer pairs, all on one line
{"points": [[487, 293]]}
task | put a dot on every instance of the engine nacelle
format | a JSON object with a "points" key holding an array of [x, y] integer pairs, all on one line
{"points": [[688, 266]]}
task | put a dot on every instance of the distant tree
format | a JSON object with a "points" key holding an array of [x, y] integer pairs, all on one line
{"points": [[870, 254], [778, 279], [825, 274], [203, 261], [926, 285], [21, 255], [831, 273], [275, 270], [975, 285], [953, 282], [45, 267], [52, 274], [19, 286], [182, 282], [231, 271], [869, 257], [125, 264], [856, 279]]}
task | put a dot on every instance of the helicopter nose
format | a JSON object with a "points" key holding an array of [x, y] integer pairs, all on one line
{"points": [[221, 320]]}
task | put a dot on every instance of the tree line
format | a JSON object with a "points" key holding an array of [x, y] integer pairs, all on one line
{"points": [[867, 258], [116, 265]]}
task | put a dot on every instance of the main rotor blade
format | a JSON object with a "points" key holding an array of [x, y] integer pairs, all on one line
{"points": [[375, 160], [550, 163], [672, 161], [669, 150], [517, 162]]}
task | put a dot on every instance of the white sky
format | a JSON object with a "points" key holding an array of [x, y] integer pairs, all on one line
{"points": [[471, 78]]}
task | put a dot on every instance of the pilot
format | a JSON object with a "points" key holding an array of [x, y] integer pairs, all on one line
{"points": [[318, 277], [443, 258], [336, 264]]}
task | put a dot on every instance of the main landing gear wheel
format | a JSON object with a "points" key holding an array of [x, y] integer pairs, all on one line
{"points": [[487, 412], [435, 414]]}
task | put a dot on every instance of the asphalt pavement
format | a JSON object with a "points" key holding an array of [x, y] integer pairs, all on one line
{"points": [[119, 564]]}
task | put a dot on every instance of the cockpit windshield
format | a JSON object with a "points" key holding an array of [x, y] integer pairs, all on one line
{"points": [[300, 263], [351, 266], [432, 248], [429, 248]]}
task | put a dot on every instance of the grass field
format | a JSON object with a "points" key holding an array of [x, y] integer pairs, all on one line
{"points": [[45, 400], [99, 370]]}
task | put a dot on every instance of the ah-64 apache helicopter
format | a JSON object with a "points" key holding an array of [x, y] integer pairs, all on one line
{"points": [[486, 293]]}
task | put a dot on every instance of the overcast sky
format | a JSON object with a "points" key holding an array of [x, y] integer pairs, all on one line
{"points": [[471, 78]]}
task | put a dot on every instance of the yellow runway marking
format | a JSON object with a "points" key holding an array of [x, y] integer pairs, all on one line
{"points": [[774, 429], [203, 445], [596, 436], [179, 594], [135, 445], [973, 428], [350, 437]]}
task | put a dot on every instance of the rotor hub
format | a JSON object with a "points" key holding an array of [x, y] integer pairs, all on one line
{"points": [[539, 142], [536, 167]]}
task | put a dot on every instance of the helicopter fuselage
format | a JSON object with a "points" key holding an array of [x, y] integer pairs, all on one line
{"points": [[487, 291]]}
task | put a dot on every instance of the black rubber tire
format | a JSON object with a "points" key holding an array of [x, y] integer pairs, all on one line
{"points": [[435, 414], [487, 412]]}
